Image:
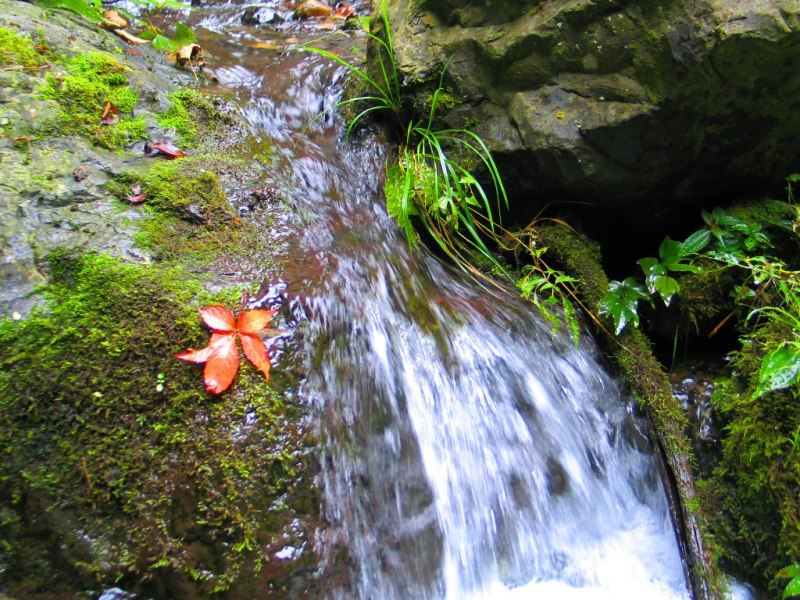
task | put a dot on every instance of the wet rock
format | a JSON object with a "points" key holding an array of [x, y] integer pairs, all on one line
{"points": [[693, 390], [312, 8], [56, 189], [260, 15], [92, 525], [557, 478], [614, 103]]}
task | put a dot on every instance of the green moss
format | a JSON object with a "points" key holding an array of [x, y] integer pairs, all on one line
{"points": [[82, 93], [191, 112], [579, 256], [103, 429], [705, 295], [752, 498], [190, 218], [20, 51]]}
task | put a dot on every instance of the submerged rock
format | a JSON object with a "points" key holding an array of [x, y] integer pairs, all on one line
{"points": [[614, 103]]}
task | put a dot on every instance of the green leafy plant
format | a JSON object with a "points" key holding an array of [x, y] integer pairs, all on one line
{"points": [[183, 36], [780, 367], [672, 258], [431, 183], [621, 303], [549, 289], [792, 589], [93, 9], [428, 184], [769, 291]]}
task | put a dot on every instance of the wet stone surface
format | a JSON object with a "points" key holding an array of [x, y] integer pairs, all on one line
{"points": [[693, 389]]}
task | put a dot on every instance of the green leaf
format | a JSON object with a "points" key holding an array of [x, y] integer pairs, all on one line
{"points": [[792, 589], [666, 287], [184, 35], [398, 203], [695, 242], [652, 270], [164, 44], [779, 369], [671, 255], [669, 250], [648, 264], [77, 6], [790, 571], [621, 302]]}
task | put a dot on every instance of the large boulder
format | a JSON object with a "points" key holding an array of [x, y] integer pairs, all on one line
{"points": [[615, 103]]}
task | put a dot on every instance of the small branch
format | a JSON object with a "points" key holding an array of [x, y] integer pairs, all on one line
{"points": [[86, 476]]}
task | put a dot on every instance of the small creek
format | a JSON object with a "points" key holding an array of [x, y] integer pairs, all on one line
{"points": [[465, 452]]}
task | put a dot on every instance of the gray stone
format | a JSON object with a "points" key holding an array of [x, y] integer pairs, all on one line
{"points": [[615, 103], [43, 205]]}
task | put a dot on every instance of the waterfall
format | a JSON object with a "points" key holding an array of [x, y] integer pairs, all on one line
{"points": [[469, 453], [466, 451]]}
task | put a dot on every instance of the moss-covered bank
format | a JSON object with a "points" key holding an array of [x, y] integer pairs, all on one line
{"points": [[751, 498], [116, 467]]}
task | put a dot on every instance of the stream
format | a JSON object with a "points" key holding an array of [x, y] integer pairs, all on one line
{"points": [[466, 452]]}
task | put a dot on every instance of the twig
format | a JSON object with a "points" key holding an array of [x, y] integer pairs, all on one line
{"points": [[86, 476]]}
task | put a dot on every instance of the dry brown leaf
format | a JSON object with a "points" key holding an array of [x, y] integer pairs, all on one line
{"points": [[110, 113], [113, 20], [191, 54], [129, 37]]}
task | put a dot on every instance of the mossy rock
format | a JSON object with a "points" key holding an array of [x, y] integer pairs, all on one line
{"points": [[146, 476], [118, 469], [751, 498], [93, 86], [191, 113]]}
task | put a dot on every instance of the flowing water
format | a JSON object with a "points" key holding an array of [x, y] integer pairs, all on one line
{"points": [[466, 452]]}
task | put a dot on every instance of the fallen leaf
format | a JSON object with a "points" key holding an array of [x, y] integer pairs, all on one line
{"points": [[221, 356], [164, 149], [109, 114], [113, 20], [129, 37], [345, 9], [136, 196], [191, 54]]}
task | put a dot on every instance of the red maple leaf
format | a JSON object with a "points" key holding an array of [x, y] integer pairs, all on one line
{"points": [[221, 355]]}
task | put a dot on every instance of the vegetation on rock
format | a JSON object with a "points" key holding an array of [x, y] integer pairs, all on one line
{"points": [[433, 182], [116, 467], [82, 92], [108, 423]]}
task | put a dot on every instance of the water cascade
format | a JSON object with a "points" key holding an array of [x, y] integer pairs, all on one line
{"points": [[466, 451]]}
